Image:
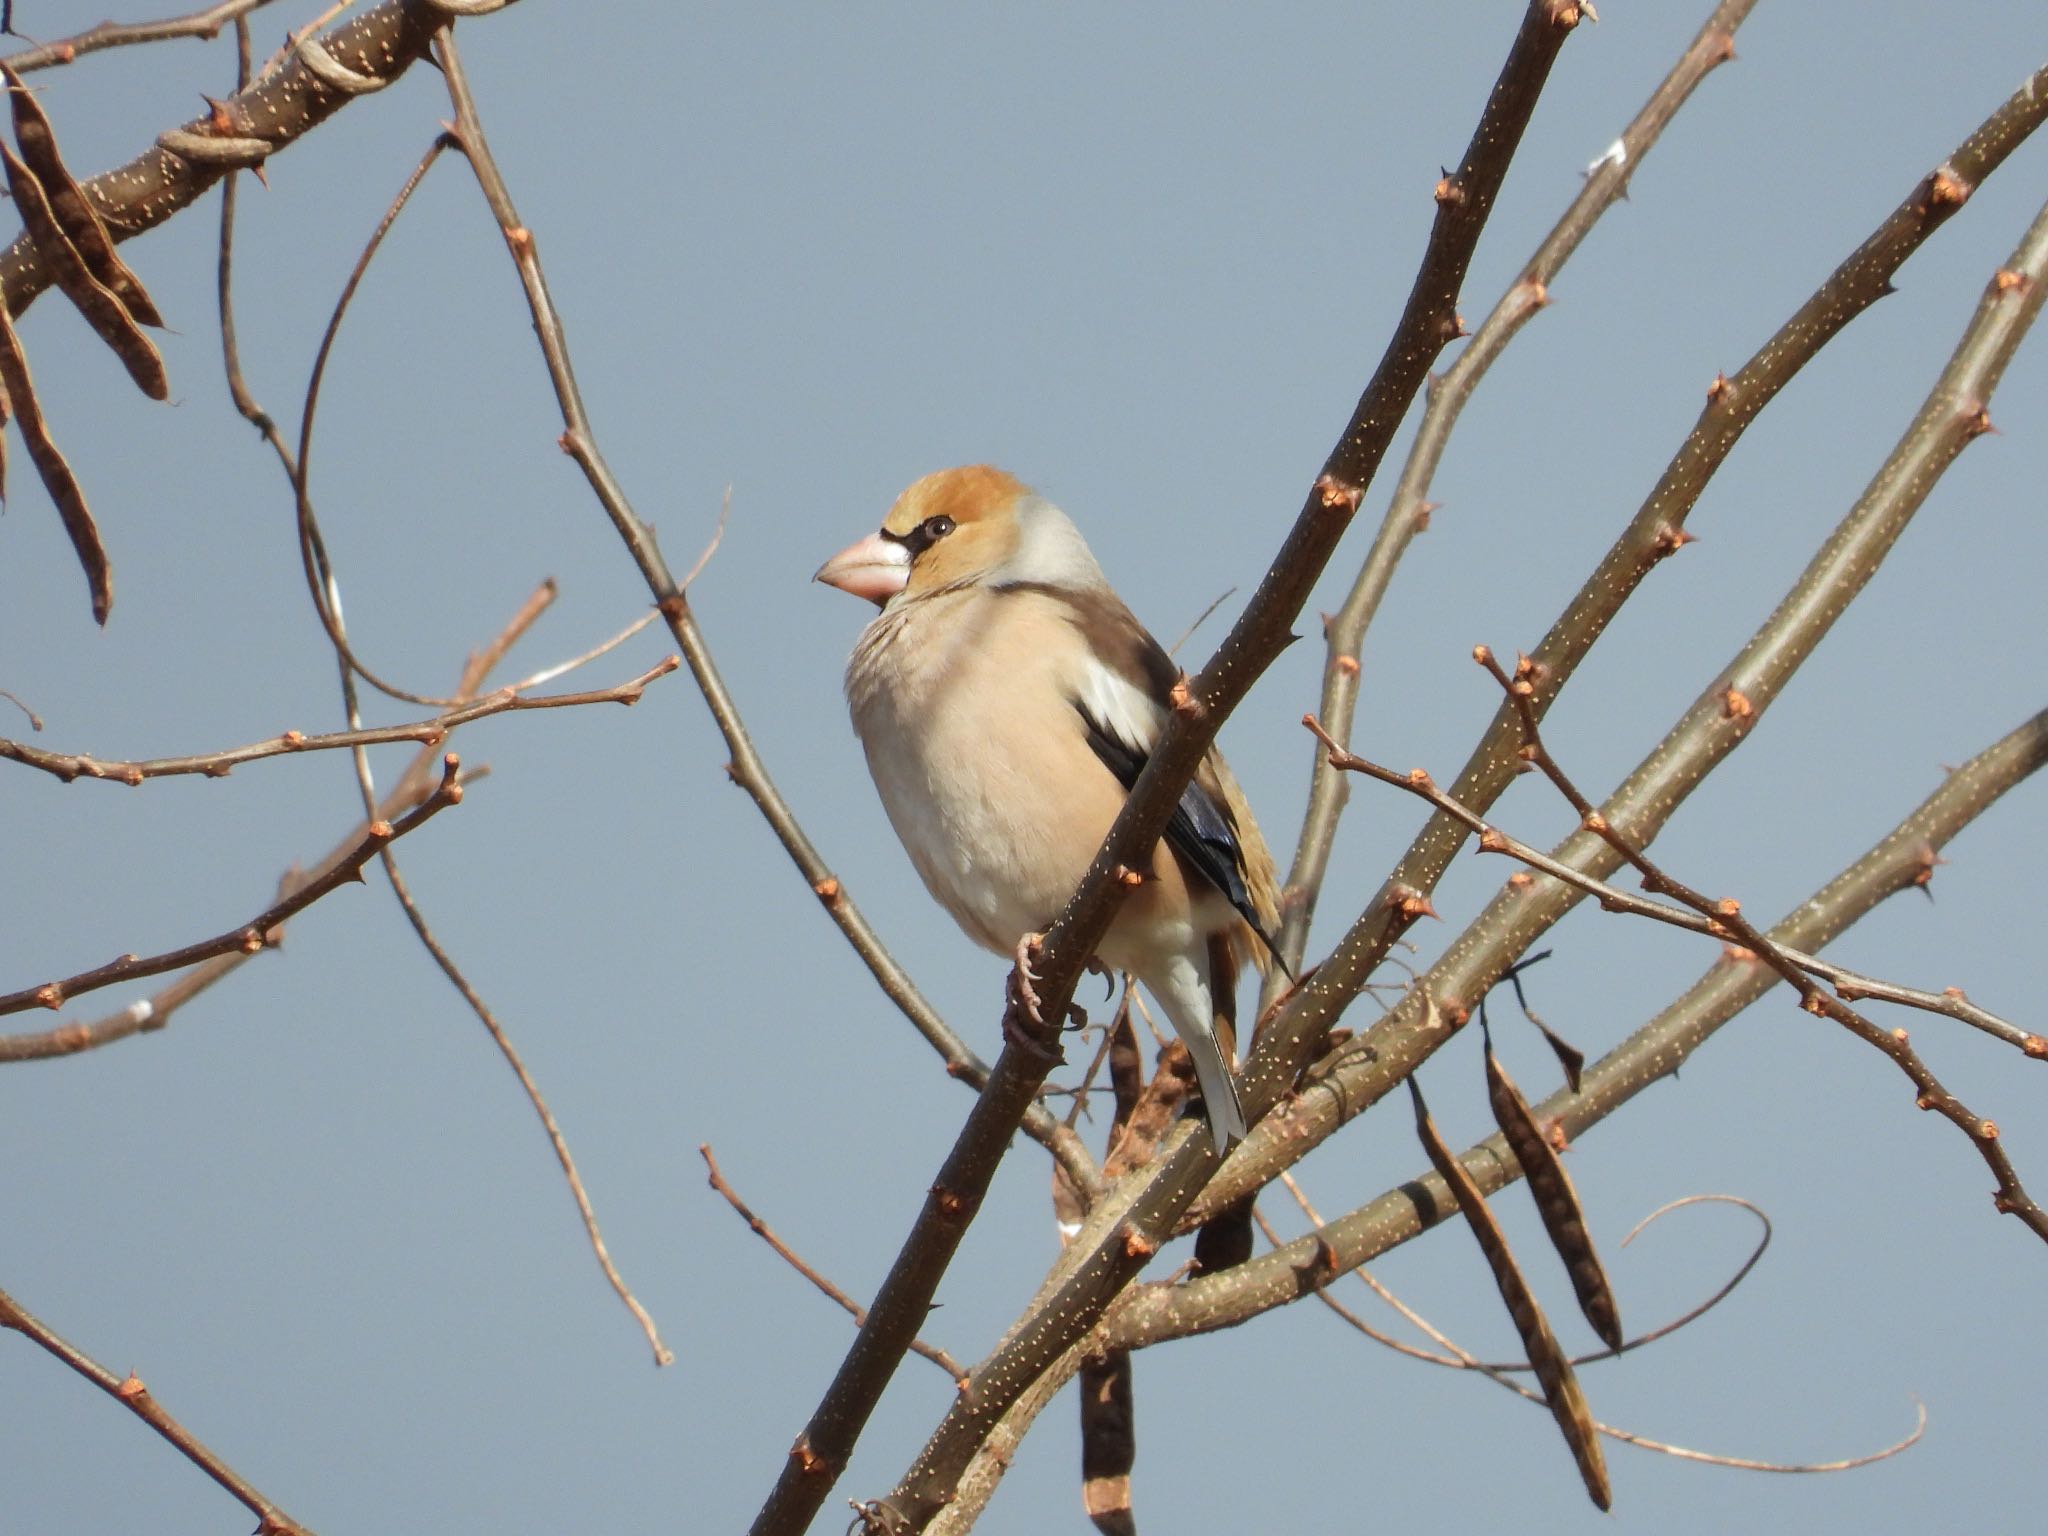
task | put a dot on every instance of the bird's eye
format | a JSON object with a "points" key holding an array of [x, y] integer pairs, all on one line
{"points": [[937, 527]]}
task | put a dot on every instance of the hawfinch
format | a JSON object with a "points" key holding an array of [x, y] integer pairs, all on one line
{"points": [[1007, 701]]}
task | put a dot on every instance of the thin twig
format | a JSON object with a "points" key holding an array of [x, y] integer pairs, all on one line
{"points": [[1612, 898], [149, 1014], [216, 765], [795, 1261], [204, 24], [259, 931], [1408, 510], [663, 1355], [319, 568], [1116, 1241], [1725, 921], [135, 1397], [745, 767], [1459, 1359]]}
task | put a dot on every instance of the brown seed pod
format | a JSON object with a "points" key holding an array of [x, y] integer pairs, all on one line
{"points": [[1109, 1444], [1557, 1202], [1553, 1371], [73, 210], [56, 472], [103, 311]]}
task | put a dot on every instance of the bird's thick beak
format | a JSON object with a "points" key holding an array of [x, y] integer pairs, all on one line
{"points": [[875, 568]]}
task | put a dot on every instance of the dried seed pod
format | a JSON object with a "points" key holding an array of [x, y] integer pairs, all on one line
{"points": [[56, 472], [1109, 1443], [103, 311], [73, 210], [1553, 1371], [1557, 1202]]}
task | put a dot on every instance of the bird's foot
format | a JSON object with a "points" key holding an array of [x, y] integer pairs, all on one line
{"points": [[1023, 1017]]}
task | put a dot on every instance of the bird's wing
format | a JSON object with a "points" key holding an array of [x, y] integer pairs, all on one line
{"points": [[1122, 691]]}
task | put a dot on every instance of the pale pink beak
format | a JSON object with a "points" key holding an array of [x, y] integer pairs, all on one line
{"points": [[875, 568]]}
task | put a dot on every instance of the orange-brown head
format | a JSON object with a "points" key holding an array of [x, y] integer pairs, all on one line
{"points": [[952, 527]]}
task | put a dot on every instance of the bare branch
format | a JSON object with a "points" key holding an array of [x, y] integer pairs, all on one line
{"points": [[204, 23], [363, 54], [1408, 510], [795, 1261], [261, 930], [1101, 1263], [1851, 984], [745, 767], [217, 765], [1651, 1053], [135, 1397]]}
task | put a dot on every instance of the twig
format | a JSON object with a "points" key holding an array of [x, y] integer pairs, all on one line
{"points": [[136, 1398], [325, 73], [745, 768], [663, 1355], [1725, 921], [1612, 898], [795, 1261], [261, 930], [1651, 1053], [149, 1014], [204, 23], [321, 583], [1458, 1358], [1408, 510], [1200, 619], [1110, 1251], [216, 765], [412, 786]]}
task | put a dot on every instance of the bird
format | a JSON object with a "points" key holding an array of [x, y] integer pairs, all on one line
{"points": [[1006, 700]]}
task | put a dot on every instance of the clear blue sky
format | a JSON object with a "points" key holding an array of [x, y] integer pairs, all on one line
{"points": [[1144, 257]]}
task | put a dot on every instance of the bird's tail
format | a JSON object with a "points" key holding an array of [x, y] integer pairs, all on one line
{"points": [[1202, 1004]]}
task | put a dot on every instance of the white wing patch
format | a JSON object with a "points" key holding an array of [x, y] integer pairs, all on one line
{"points": [[1117, 704]]}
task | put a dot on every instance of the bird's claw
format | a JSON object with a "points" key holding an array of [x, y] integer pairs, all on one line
{"points": [[1024, 1004]]}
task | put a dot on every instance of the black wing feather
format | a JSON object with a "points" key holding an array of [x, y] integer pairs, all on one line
{"points": [[1201, 831]]}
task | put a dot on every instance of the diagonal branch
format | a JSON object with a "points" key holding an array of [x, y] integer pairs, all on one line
{"points": [[1952, 416], [1094, 1275], [322, 75], [1408, 510], [136, 1398], [1653, 1052], [259, 932]]}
